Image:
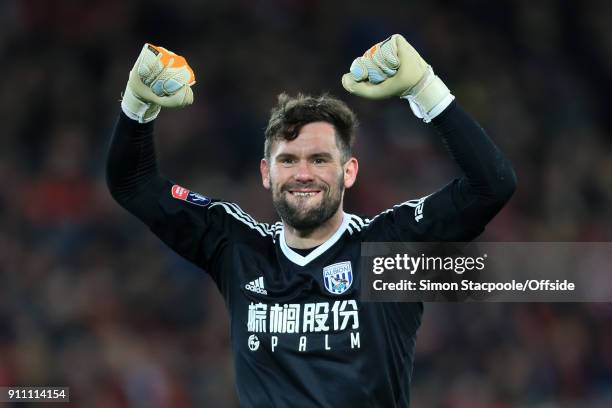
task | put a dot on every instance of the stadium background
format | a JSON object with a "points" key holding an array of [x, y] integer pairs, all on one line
{"points": [[90, 299]]}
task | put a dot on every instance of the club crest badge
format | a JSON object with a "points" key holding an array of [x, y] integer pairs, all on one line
{"points": [[338, 277]]}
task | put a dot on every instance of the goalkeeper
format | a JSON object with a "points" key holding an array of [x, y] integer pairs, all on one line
{"points": [[300, 335]]}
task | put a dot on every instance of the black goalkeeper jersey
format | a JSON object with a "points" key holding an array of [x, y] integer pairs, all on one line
{"points": [[300, 335]]}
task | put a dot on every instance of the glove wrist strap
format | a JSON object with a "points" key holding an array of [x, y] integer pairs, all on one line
{"points": [[429, 97], [136, 109]]}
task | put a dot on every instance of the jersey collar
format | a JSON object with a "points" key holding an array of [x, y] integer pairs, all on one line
{"points": [[304, 260]]}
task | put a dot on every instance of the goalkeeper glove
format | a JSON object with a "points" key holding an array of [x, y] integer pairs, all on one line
{"points": [[159, 78], [394, 68]]}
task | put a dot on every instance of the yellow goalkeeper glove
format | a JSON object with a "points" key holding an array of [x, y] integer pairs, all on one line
{"points": [[159, 78], [394, 68]]}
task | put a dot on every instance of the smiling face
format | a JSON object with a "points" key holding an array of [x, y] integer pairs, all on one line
{"points": [[307, 176]]}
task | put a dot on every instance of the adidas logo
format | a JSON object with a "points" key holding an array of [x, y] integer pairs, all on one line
{"points": [[256, 286]]}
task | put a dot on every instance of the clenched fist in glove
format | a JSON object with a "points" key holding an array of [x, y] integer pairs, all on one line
{"points": [[159, 78], [394, 68]]}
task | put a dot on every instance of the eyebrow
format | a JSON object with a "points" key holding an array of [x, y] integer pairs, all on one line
{"points": [[319, 155], [323, 155]]}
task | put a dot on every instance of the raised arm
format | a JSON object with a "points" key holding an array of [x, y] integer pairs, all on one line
{"points": [[184, 220], [132, 175], [461, 210], [488, 179], [159, 78]]}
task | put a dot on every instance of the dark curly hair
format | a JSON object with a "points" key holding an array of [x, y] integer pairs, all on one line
{"points": [[291, 113]]}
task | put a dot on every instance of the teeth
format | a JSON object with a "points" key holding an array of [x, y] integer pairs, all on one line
{"points": [[303, 194]]}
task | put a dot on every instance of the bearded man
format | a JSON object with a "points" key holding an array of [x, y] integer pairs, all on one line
{"points": [[300, 335]]}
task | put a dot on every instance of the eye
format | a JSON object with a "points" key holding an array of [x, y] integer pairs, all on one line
{"points": [[319, 160], [287, 161]]}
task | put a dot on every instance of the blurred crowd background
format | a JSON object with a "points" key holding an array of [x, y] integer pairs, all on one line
{"points": [[89, 298]]}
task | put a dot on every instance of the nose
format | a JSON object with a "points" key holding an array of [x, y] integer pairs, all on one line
{"points": [[303, 172]]}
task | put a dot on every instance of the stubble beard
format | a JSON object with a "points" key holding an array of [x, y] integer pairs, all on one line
{"points": [[302, 217]]}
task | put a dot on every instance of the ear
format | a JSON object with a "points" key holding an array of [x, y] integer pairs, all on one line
{"points": [[264, 168], [351, 167]]}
